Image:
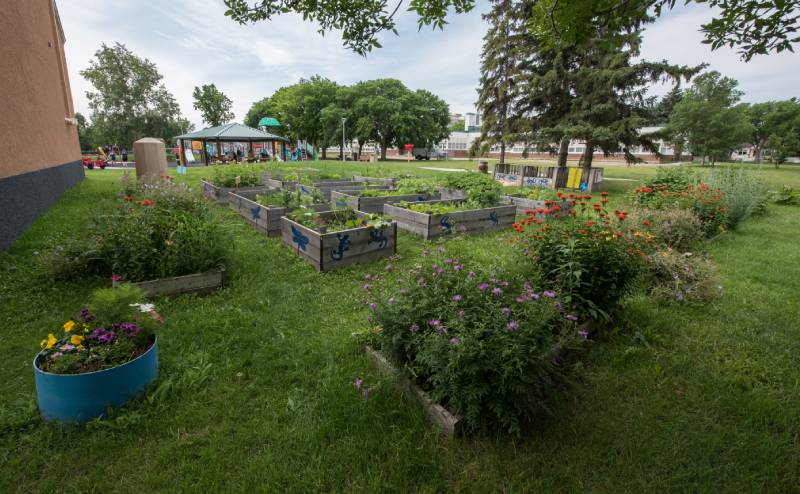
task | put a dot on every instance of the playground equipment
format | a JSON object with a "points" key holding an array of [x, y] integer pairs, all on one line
{"points": [[303, 152]]}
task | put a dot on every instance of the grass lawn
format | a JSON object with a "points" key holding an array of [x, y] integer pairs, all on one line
{"points": [[256, 389]]}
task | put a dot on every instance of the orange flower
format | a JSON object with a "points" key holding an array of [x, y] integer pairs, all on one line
{"points": [[147, 202], [604, 194]]}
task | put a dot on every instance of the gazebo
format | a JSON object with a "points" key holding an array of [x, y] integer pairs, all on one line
{"points": [[229, 133]]}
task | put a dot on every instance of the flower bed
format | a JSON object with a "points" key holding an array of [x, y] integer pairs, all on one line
{"points": [[334, 239], [264, 211], [232, 178], [429, 219], [542, 201], [221, 194], [106, 356], [487, 349]]}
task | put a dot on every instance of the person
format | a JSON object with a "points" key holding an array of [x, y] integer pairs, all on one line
{"points": [[238, 155], [124, 154]]}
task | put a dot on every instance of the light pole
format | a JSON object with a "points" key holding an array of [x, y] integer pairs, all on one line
{"points": [[344, 119]]}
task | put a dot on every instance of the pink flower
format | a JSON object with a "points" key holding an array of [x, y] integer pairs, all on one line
{"points": [[497, 291], [358, 383], [367, 286], [505, 311], [457, 298], [583, 334], [549, 294], [483, 286], [116, 278], [512, 325]]}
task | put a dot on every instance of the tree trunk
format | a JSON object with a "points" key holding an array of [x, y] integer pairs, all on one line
{"points": [[563, 152], [502, 152], [677, 151], [383, 151], [588, 156], [341, 152], [360, 148], [703, 161], [325, 152]]}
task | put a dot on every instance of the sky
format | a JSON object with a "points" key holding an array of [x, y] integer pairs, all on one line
{"points": [[192, 43]]}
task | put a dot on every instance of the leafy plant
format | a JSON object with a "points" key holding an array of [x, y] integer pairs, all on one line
{"points": [[487, 347], [227, 176], [743, 190], [707, 203], [682, 277], [481, 188], [116, 328], [337, 220], [786, 196], [290, 198], [533, 193]]}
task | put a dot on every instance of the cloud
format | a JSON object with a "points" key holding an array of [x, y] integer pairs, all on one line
{"points": [[193, 43]]}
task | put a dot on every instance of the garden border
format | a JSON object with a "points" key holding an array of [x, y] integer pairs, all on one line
{"points": [[434, 225], [205, 282]]}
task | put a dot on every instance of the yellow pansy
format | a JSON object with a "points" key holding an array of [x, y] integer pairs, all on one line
{"points": [[69, 325], [49, 342], [76, 339]]}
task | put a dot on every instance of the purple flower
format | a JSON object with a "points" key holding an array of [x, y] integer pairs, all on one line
{"points": [[483, 286], [369, 318], [437, 269], [367, 286], [358, 383], [68, 347], [130, 328], [454, 341], [442, 330], [365, 394], [458, 267], [497, 291], [421, 281], [414, 328], [583, 334], [372, 306], [534, 295], [96, 332], [115, 278], [86, 315], [434, 323], [461, 313], [506, 311], [457, 298], [571, 317], [448, 261], [391, 301], [471, 274], [549, 294], [521, 299], [512, 325]]}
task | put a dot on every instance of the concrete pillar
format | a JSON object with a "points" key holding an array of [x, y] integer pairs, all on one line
{"points": [[151, 158]]}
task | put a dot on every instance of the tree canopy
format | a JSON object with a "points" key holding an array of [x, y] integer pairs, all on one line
{"points": [[129, 100], [213, 105], [754, 26]]}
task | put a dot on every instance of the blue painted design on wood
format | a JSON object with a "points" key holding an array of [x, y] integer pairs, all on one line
{"points": [[446, 225], [376, 235], [337, 254], [584, 187], [298, 238], [256, 213], [493, 218], [304, 190]]}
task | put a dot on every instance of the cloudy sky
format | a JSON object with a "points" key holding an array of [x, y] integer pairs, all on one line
{"points": [[193, 43]]}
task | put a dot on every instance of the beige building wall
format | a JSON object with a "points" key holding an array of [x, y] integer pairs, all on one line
{"points": [[35, 97]]}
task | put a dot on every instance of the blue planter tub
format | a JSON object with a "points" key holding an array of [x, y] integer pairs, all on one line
{"points": [[78, 398]]}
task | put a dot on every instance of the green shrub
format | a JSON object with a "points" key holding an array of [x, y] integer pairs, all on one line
{"points": [[786, 196], [248, 175], [164, 231], [677, 228], [590, 258], [482, 189], [683, 277], [488, 348], [709, 204], [743, 191]]}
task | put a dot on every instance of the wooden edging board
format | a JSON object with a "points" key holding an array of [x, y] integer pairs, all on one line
{"points": [[335, 250], [434, 225], [372, 204], [448, 423], [191, 283], [266, 219], [375, 180]]}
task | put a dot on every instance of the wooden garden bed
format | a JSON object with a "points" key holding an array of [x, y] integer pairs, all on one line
{"points": [[329, 251], [191, 283], [266, 219], [448, 423], [220, 194], [524, 204], [327, 188], [451, 194], [375, 180], [370, 204], [434, 225]]}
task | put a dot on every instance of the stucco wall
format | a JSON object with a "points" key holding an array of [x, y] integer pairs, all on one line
{"points": [[35, 96]]}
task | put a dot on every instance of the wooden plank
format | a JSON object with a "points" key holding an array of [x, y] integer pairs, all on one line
{"points": [[448, 423], [193, 283], [375, 180], [451, 194]]}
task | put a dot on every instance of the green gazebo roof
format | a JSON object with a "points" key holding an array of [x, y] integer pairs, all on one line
{"points": [[269, 122], [231, 132]]}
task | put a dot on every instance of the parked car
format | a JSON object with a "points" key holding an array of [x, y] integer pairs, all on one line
{"points": [[428, 153]]}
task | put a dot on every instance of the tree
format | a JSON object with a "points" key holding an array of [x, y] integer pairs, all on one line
{"points": [[214, 106], [84, 132], [457, 126], [755, 26], [423, 119], [499, 69], [376, 107], [708, 118], [774, 124], [130, 101], [258, 110]]}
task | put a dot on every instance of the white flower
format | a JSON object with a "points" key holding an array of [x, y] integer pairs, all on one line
{"points": [[145, 307]]}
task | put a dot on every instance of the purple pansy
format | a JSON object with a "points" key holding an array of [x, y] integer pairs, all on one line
{"points": [[358, 383]]}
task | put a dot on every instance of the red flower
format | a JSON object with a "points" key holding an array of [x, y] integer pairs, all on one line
{"points": [[147, 202], [583, 231], [604, 194], [517, 227], [646, 222]]}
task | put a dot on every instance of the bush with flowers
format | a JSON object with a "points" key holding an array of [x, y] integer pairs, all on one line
{"points": [[675, 228], [115, 328], [158, 230], [590, 256], [709, 204], [486, 347]]}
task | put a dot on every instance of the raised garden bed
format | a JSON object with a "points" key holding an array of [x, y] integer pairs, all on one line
{"points": [[434, 225], [327, 251], [451, 194], [448, 423], [266, 219], [524, 204], [191, 283], [220, 194], [327, 188], [371, 204]]}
